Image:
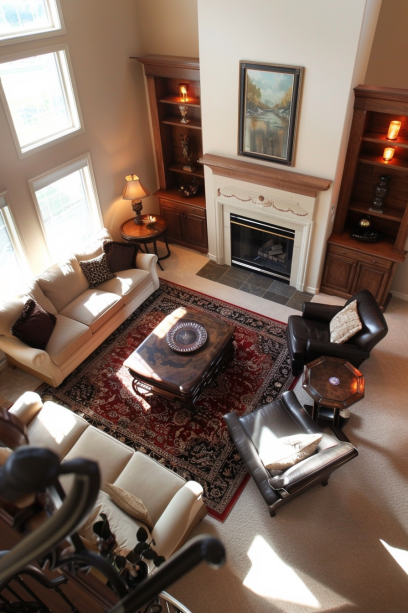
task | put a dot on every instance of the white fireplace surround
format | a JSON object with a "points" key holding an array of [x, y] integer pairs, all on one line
{"points": [[292, 211]]}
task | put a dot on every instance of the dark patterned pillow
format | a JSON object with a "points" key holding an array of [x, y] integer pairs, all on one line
{"points": [[34, 326], [96, 270], [120, 256]]}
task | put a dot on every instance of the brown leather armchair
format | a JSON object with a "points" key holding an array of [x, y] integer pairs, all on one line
{"points": [[286, 417], [308, 335]]}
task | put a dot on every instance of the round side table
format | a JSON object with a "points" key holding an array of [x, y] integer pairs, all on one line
{"points": [[333, 383], [147, 233]]}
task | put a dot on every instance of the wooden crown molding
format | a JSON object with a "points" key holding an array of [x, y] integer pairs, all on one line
{"points": [[262, 175]]}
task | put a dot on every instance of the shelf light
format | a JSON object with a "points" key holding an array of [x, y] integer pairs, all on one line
{"points": [[388, 154], [183, 89], [393, 130]]}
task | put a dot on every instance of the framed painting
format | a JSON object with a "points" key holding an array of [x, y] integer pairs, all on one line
{"points": [[268, 111]]}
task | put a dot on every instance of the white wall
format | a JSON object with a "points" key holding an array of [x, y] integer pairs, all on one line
{"points": [[101, 35], [388, 67], [329, 39]]}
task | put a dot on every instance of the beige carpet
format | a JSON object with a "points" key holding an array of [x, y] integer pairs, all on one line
{"points": [[323, 551]]}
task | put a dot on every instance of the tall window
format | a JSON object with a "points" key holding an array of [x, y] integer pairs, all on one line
{"points": [[68, 206], [22, 19], [40, 99], [13, 269]]}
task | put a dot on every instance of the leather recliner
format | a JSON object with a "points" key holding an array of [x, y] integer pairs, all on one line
{"points": [[286, 417], [308, 335]]}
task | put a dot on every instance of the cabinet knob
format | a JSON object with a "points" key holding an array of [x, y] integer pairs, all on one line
{"points": [[374, 261]]}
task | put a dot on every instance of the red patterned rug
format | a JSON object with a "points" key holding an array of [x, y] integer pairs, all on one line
{"points": [[195, 444]]}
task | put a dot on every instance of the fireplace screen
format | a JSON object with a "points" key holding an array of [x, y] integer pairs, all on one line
{"points": [[261, 247]]}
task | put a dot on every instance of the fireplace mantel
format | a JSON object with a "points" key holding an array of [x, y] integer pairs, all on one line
{"points": [[284, 180]]}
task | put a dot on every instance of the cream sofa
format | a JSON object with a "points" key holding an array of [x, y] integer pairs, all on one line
{"points": [[85, 317], [174, 505]]}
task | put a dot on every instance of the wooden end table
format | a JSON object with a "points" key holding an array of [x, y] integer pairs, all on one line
{"points": [[147, 233], [333, 383], [181, 376]]}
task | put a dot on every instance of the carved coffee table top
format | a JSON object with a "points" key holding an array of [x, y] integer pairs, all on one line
{"points": [[156, 362]]}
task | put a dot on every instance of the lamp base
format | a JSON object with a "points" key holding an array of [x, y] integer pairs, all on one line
{"points": [[137, 207]]}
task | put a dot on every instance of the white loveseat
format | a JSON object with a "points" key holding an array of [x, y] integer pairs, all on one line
{"points": [[174, 505], [85, 317]]}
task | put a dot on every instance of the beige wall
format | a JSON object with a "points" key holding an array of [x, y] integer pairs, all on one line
{"points": [[101, 35], [388, 66], [330, 40]]}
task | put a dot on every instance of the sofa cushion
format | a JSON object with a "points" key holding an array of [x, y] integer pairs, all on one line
{"points": [[127, 283], [93, 308], [288, 450], [121, 524], [345, 324], [34, 291], [95, 246], [146, 479], [34, 325], [63, 282], [97, 270], [68, 336], [56, 428], [120, 256], [129, 503], [10, 310]]}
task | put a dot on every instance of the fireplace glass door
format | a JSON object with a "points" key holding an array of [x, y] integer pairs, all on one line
{"points": [[261, 247]]}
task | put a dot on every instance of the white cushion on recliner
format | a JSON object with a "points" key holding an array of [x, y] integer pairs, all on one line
{"points": [[63, 282], [127, 283], [68, 336], [93, 307], [289, 450]]}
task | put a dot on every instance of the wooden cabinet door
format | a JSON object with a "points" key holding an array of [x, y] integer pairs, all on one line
{"points": [[196, 230], [338, 274], [375, 279], [174, 218]]}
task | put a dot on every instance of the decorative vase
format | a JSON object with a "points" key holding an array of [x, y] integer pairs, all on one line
{"points": [[381, 190]]}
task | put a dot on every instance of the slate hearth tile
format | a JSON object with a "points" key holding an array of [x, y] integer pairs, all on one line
{"points": [[210, 271], [302, 296], [260, 281], [281, 288], [238, 273], [230, 282], [276, 298], [252, 289]]}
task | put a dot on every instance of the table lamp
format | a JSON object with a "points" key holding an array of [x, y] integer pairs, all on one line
{"points": [[135, 191]]}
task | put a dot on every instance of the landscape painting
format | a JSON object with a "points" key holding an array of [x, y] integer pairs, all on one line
{"points": [[269, 100]]}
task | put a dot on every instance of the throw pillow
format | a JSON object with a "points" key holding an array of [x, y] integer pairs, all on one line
{"points": [[97, 270], [130, 504], [120, 256], [34, 326], [290, 450], [345, 324]]}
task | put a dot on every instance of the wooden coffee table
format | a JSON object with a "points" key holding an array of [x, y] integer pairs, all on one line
{"points": [[335, 384], [181, 376]]}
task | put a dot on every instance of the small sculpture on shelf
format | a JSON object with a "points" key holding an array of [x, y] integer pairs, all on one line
{"points": [[381, 190], [186, 147], [365, 232], [183, 112], [189, 188]]}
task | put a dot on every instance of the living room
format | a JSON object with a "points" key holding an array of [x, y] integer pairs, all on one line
{"points": [[364, 521]]}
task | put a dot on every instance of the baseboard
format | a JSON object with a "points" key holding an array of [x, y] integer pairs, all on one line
{"points": [[399, 295]]}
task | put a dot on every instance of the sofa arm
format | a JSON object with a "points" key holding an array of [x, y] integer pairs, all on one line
{"points": [[27, 407], [320, 312], [35, 359], [147, 261], [177, 517], [312, 468], [352, 353]]}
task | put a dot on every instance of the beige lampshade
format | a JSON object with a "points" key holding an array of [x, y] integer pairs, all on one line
{"points": [[134, 190]]}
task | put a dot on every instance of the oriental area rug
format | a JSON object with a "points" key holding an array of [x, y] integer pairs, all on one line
{"points": [[194, 444]]}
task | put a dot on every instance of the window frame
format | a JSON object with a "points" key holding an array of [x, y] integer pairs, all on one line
{"points": [[14, 236], [59, 172], [55, 12], [69, 91]]}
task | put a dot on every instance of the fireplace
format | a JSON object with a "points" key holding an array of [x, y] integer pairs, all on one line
{"points": [[261, 247]]}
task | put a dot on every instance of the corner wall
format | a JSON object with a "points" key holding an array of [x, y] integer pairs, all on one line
{"points": [[330, 40]]}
